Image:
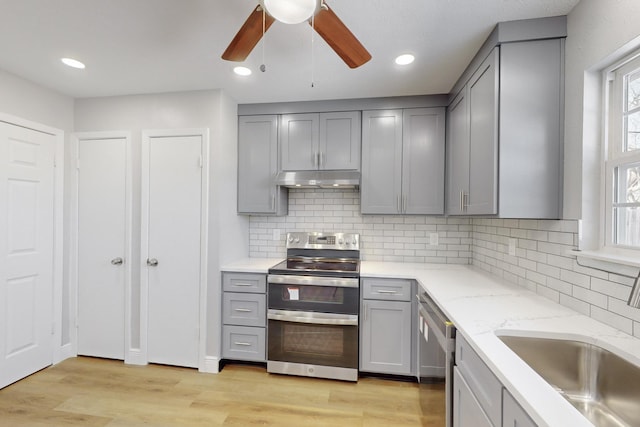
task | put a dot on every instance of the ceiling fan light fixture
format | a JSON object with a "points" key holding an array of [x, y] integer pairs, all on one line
{"points": [[292, 11], [405, 59]]}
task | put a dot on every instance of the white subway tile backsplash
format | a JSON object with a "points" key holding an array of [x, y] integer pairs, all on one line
{"points": [[395, 238], [546, 263]]}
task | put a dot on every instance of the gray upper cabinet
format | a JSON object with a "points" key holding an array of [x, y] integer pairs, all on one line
{"points": [[505, 134], [299, 141], [403, 155], [329, 141], [258, 165], [340, 140], [473, 143], [381, 181]]}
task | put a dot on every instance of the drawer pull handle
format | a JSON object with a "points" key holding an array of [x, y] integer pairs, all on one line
{"points": [[385, 291], [246, 344], [243, 310], [242, 284]]}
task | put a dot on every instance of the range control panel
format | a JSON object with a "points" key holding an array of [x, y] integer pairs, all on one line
{"points": [[339, 241]]}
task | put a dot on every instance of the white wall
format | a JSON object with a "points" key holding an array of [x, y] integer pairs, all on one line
{"points": [[30, 101], [228, 233], [598, 32]]}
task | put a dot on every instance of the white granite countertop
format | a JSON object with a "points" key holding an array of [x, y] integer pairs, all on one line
{"points": [[251, 265], [482, 307]]}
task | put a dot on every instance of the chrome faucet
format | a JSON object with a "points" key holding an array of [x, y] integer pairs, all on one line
{"points": [[634, 297]]}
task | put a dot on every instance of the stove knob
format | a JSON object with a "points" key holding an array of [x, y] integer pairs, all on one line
{"points": [[297, 240], [340, 241], [290, 239], [354, 241]]}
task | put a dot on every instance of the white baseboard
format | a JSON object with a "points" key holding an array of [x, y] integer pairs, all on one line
{"points": [[135, 357], [64, 352], [211, 365]]}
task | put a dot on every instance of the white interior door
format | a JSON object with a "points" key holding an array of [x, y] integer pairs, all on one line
{"points": [[172, 247], [102, 251], [26, 251]]}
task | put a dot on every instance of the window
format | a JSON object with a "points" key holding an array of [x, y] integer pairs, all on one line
{"points": [[622, 162]]}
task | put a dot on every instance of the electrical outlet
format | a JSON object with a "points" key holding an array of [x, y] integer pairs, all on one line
{"points": [[433, 239], [512, 247], [276, 234]]}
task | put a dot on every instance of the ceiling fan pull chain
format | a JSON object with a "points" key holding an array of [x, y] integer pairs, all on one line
{"points": [[263, 67], [313, 21]]}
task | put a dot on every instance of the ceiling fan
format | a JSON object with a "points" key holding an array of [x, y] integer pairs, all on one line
{"points": [[316, 12]]}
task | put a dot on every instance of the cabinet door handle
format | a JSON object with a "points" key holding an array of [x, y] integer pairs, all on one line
{"points": [[322, 159], [314, 159], [242, 284], [117, 261], [404, 203], [366, 312], [273, 202], [246, 344], [243, 310], [398, 207], [152, 262]]}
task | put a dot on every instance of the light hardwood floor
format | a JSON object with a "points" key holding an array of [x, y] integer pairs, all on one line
{"points": [[95, 392]]}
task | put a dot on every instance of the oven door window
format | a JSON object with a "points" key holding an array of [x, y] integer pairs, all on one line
{"points": [[328, 299], [327, 345]]}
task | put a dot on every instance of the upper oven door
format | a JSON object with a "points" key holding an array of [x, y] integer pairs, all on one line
{"points": [[311, 293]]}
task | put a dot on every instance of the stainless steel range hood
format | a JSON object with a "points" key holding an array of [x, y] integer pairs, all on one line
{"points": [[319, 179]]}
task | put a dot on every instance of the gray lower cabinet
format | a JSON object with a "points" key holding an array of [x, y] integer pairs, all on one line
{"points": [[403, 157], [505, 134], [314, 141], [512, 413], [244, 316], [386, 340], [479, 398], [258, 166], [467, 411]]}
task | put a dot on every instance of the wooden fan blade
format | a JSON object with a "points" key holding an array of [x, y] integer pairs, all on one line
{"points": [[248, 37], [338, 36]]}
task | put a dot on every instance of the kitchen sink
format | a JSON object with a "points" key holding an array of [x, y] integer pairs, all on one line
{"points": [[599, 384]]}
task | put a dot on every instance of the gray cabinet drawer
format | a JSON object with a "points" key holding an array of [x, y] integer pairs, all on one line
{"points": [[244, 282], [243, 309], [386, 289], [243, 343], [482, 382]]}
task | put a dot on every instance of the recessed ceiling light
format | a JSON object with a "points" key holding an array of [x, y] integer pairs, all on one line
{"points": [[74, 63], [242, 71], [405, 59]]}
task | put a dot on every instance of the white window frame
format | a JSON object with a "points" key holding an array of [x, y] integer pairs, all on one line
{"points": [[613, 153]]}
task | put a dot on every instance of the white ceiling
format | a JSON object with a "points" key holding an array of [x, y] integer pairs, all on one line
{"points": [[147, 46]]}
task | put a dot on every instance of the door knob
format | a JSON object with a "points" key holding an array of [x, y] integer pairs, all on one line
{"points": [[117, 261], [152, 262]]}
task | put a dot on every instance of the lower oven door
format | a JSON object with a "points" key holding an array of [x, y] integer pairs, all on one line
{"points": [[323, 345]]}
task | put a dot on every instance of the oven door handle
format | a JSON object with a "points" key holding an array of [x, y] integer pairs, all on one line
{"points": [[286, 279], [313, 317]]}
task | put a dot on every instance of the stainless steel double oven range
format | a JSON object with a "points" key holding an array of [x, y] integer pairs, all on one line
{"points": [[313, 307]]}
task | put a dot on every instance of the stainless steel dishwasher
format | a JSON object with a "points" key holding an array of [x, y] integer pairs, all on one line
{"points": [[437, 338]]}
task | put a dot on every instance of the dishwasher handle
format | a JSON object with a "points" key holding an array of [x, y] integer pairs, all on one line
{"points": [[443, 329]]}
